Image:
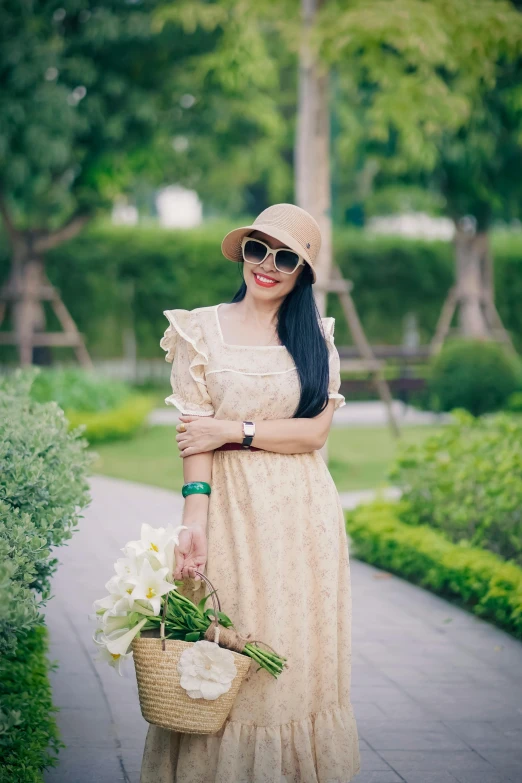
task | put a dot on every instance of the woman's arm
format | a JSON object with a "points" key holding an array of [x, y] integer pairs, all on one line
{"points": [[191, 551], [286, 436], [197, 467]]}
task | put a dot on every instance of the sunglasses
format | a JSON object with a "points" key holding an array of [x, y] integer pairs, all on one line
{"points": [[285, 260]]}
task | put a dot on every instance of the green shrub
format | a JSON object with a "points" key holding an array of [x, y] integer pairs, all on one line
{"points": [[472, 374], [28, 732], [79, 390], [43, 489], [116, 424], [466, 480], [479, 580], [514, 402], [106, 409]]}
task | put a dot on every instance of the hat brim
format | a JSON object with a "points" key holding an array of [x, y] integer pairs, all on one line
{"points": [[231, 244]]}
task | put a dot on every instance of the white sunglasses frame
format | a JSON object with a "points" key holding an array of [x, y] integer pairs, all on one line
{"points": [[271, 250]]}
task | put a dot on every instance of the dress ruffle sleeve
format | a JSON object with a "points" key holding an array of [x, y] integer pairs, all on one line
{"points": [[334, 364], [186, 350]]}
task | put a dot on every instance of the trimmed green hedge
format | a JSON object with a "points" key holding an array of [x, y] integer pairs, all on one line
{"points": [[465, 480], [480, 581], [97, 272], [116, 424], [29, 738]]}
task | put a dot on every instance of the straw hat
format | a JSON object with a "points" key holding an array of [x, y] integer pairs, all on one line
{"points": [[285, 222]]}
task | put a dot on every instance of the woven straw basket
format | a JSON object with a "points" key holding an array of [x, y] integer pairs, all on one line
{"points": [[163, 701]]}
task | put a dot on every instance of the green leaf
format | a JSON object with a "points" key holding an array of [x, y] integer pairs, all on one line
{"points": [[201, 605]]}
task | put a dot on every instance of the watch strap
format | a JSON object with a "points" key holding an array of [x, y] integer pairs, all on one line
{"points": [[247, 439]]}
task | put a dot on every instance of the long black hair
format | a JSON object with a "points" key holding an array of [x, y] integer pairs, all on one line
{"points": [[299, 329]]}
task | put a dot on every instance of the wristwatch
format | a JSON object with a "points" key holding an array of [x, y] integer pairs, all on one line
{"points": [[249, 430]]}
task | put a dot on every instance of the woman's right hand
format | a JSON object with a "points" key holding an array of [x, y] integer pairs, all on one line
{"points": [[191, 552]]}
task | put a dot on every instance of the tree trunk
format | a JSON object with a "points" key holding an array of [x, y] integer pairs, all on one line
{"points": [[28, 311], [473, 282], [312, 150], [26, 291], [312, 154], [28, 288], [23, 290]]}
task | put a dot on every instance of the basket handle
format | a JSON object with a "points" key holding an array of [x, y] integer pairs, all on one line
{"points": [[217, 608]]}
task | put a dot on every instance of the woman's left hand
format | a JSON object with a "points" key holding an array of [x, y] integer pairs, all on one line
{"points": [[203, 433]]}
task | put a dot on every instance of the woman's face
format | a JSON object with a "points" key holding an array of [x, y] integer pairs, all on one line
{"points": [[282, 283]]}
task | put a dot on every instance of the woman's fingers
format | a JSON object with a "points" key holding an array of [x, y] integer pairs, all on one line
{"points": [[188, 570], [181, 562]]}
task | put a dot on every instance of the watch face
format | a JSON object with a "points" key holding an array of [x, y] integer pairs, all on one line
{"points": [[248, 429]]}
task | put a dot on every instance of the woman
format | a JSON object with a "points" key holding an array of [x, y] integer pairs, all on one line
{"points": [[257, 382]]}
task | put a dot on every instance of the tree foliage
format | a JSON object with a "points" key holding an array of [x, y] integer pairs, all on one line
{"points": [[94, 96], [430, 94]]}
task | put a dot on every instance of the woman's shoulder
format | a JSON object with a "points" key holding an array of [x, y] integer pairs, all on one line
{"points": [[196, 325], [192, 325], [328, 327], [191, 311], [192, 317]]}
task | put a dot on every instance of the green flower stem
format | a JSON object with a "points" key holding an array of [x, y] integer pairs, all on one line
{"points": [[268, 655], [271, 662], [181, 608]]}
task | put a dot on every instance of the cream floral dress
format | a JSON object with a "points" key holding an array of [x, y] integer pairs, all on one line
{"points": [[278, 555]]}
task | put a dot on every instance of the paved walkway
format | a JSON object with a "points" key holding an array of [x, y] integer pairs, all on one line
{"points": [[437, 692]]}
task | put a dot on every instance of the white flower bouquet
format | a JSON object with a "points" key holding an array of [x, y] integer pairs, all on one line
{"points": [[196, 655]]}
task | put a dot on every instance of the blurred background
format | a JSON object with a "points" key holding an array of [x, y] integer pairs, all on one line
{"points": [[135, 133]]}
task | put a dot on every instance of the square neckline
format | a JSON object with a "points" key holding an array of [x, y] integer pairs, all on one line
{"points": [[234, 345]]}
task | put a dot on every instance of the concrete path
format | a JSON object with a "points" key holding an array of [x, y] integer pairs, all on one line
{"points": [[437, 692], [353, 414]]}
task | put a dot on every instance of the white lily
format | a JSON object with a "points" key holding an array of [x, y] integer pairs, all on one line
{"points": [[113, 659], [135, 590], [157, 544], [126, 567], [150, 585], [113, 605], [112, 624], [122, 587], [119, 642], [143, 607]]}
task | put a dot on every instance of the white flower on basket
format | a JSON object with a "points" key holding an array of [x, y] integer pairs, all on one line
{"points": [[207, 670]]}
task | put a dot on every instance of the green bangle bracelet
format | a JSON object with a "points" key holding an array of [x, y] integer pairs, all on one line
{"points": [[195, 487]]}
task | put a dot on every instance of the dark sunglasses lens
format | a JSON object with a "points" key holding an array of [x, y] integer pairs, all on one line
{"points": [[287, 260], [254, 251]]}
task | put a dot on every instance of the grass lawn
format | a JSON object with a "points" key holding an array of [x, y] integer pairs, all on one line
{"points": [[358, 456]]}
